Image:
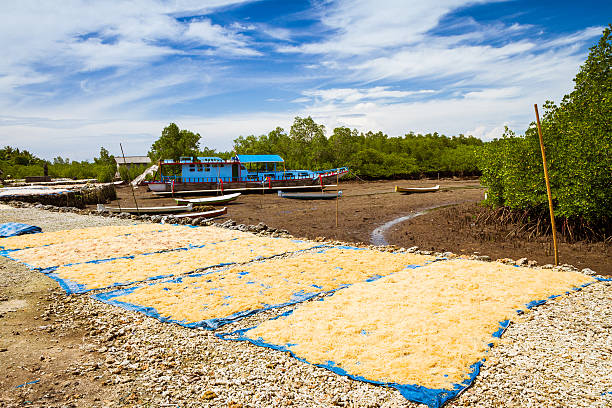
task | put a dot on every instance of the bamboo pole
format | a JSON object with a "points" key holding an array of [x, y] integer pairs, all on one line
{"points": [[337, 197], [129, 181], [550, 203]]}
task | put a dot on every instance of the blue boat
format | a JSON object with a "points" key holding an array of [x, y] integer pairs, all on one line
{"points": [[242, 173]]}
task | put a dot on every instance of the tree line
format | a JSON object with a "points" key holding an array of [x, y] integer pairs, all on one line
{"points": [[18, 164], [368, 155]]}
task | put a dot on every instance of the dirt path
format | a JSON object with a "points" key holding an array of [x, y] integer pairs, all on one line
{"points": [[48, 356], [41, 343]]}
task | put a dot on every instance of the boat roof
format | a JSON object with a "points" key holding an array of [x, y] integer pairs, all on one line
{"points": [[210, 159], [259, 158]]}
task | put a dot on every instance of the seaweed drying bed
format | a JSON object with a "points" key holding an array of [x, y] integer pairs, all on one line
{"points": [[84, 277], [422, 331], [211, 300], [394, 319], [105, 247], [59, 237]]}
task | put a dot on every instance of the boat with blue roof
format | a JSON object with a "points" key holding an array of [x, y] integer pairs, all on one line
{"points": [[241, 173]]}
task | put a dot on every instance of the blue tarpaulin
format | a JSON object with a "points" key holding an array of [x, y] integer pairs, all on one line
{"points": [[11, 229], [433, 398], [308, 292]]}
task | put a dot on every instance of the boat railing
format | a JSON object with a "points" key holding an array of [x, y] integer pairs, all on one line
{"points": [[254, 178]]}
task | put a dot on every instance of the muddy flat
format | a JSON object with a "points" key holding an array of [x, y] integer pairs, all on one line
{"points": [[440, 221]]}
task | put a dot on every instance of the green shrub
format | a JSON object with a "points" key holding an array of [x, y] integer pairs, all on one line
{"points": [[578, 140]]}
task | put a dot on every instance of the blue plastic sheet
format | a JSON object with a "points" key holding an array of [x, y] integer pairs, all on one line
{"points": [[209, 324], [75, 287], [11, 229], [213, 324], [433, 398]]}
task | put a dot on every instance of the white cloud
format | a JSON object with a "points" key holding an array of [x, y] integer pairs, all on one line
{"points": [[80, 140], [216, 36], [494, 93], [482, 117], [80, 34], [361, 26], [351, 95], [93, 54]]}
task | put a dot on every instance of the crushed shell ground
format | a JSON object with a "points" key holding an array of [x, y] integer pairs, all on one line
{"points": [[556, 355]]}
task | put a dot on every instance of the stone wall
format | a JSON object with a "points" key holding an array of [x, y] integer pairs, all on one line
{"points": [[78, 197]]}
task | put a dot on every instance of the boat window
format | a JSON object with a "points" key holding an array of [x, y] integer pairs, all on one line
{"points": [[242, 168], [192, 167], [303, 174], [200, 167]]}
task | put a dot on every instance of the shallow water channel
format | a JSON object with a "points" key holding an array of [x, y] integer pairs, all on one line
{"points": [[377, 237]]}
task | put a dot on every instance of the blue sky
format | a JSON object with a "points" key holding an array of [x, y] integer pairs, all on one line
{"points": [[78, 75]]}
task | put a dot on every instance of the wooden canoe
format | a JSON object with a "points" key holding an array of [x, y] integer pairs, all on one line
{"points": [[146, 210], [222, 199], [399, 189], [205, 214], [311, 196]]}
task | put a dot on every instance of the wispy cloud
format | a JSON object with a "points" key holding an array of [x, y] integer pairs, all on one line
{"points": [[351, 95], [219, 38]]}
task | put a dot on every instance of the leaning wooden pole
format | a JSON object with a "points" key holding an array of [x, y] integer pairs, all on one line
{"points": [[550, 203], [129, 181]]}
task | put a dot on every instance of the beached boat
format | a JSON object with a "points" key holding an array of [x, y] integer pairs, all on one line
{"points": [[399, 189], [311, 196], [242, 173], [146, 210], [204, 214], [222, 199]]}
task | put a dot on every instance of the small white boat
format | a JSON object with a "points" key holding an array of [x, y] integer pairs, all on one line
{"points": [[204, 214], [399, 189], [222, 199], [146, 210]]}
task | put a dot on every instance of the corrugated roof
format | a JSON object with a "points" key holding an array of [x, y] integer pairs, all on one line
{"points": [[259, 158], [133, 159]]}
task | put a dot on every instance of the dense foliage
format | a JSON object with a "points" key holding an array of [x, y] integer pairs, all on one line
{"points": [[371, 155], [578, 140], [20, 164]]}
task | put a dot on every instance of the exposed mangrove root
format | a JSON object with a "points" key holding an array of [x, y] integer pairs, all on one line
{"points": [[533, 224]]}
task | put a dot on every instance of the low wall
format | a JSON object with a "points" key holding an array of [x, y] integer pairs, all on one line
{"points": [[78, 197]]}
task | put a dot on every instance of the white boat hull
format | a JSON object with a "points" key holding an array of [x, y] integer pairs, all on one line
{"points": [[146, 210], [209, 200]]}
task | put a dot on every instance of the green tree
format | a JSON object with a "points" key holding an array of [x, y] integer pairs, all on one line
{"points": [[303, 134], [174, 143], [105, 158], [105, 166], [343, 144]]}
